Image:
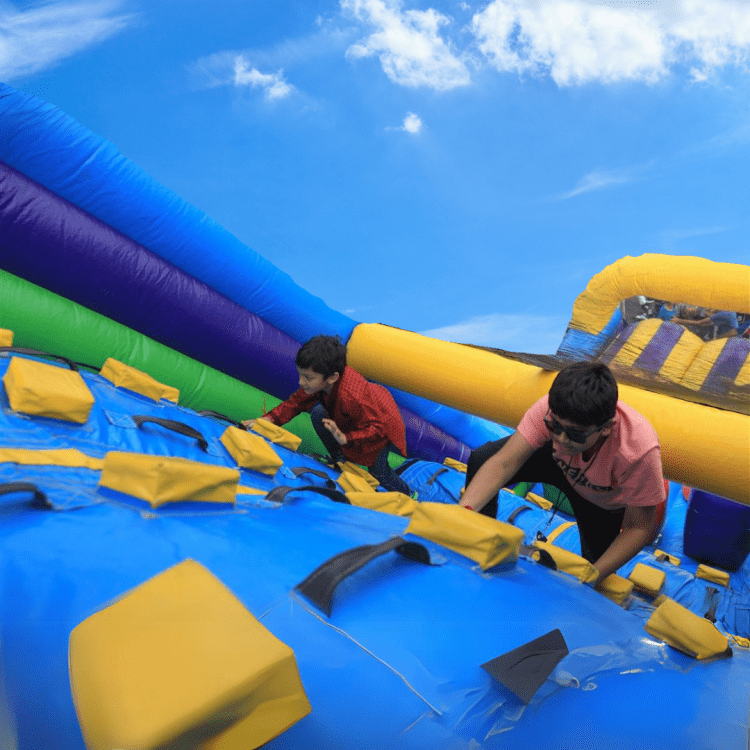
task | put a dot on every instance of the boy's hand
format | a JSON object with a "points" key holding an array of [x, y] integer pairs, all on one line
{"points": [[248, 423], [332, 427]]}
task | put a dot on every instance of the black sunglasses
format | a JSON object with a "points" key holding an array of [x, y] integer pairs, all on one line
{"points": [[574, 435]]}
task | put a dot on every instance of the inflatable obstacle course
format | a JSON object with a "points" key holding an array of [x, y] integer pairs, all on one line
{"points": [[391, 617]]}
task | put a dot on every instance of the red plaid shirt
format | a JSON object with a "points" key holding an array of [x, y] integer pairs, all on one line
{"points": [[365, 412]]}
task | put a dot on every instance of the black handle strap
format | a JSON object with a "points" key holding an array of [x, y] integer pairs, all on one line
{"points": [[544, 557], [319, 586], [298, 471], [278, 494], [39, 353], [223, 417], [712, 599], [171, 424], [40, 499], [432, 479]]}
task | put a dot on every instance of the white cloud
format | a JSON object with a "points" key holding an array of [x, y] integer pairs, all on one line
{"points": [[575, 41], [533, 334], [35, 39], [598, 179], [408, 43], [714, 32], [572, 40], [273, 84], [412, 123]]}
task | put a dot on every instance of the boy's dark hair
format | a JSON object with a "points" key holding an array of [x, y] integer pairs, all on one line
{"points": [[325, 355], [584, 393]]}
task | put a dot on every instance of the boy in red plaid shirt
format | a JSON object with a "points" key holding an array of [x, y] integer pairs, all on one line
{"points": [[355, 419]]}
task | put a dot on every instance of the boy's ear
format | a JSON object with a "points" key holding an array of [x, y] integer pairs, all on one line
{"points": [[607, 429], [331, 379]]}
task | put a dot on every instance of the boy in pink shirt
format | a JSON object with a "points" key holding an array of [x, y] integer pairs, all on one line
{"points": [[599, 451]]}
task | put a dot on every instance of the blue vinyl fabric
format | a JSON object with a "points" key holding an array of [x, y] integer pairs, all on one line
{"points": [[397, 663], [577, 344], [53, 149]]}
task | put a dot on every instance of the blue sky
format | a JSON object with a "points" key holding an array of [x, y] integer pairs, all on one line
{"points": [[460, 169]]}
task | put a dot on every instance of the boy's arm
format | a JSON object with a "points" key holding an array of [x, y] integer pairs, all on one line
{"points": [[645, 483], [298, 402], [497, 471], [333, 428], [638, 526]]}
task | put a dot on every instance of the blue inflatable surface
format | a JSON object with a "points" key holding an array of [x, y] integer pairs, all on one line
{"points": [[398, 661]]}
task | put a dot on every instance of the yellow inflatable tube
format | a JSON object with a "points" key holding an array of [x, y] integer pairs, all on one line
{"points": [[701, 446], [676, 278]]}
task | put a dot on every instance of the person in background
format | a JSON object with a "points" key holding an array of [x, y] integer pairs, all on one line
{"points": [[719, 324]]}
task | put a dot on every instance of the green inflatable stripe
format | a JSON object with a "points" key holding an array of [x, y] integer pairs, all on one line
{"points": [[43, 320]]}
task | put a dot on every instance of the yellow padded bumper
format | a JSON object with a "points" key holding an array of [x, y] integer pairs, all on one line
{"points": [[686, 631], [179, 662], [168, 479], [251, 451], [476, 536], [125, 376], [44, 390]]}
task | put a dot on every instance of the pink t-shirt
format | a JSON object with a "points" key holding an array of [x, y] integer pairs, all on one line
{"points": [[626, 470]]}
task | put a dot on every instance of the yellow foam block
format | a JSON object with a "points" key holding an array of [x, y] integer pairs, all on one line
{"points": [[350, 482], [6, 337], [47, 390], [251, 451], [353, 468], [647, 579], [568, 562], [686, 631], [395, 503], [616, 588], [276, 434], [125, 376], [178, 661], [542, 502], [658, 554], [168, 479], [453, 464], [712, 574], [476, 536]]}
